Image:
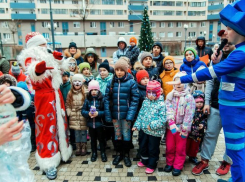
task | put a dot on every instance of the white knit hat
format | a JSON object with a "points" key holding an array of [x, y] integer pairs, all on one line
{"points": [[78, 77]]}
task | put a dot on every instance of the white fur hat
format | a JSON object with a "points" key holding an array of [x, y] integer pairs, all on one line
{"points": [[78, 77]]}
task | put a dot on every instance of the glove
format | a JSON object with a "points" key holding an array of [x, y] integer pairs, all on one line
{"points": [[184, 132], [172, 126], [57, 55], [41, 67]]}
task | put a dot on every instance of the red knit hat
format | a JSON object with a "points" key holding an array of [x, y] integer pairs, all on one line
{"points": [[141, 74], [155, 87], [133, 39]]}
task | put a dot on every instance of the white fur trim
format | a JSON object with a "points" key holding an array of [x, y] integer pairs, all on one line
{"points": [[33, 76], [46, 163], [36, 41], [26, 97], [66, 152]]}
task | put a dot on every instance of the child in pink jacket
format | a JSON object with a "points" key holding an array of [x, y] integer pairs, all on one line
{"points": [[180, 106]]}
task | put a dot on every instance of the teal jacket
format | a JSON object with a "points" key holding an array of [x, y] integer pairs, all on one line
{"points": [[65, 88], [103, 82], [152, 113]]}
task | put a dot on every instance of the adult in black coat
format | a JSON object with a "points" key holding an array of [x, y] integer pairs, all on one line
{"points": [[201, 48], [72, 51], [157, 56]]}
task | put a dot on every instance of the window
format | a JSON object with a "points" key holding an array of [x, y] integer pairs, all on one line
{"points": [[43, 1], [58, 24], [75, 2], [95, 12], [121, 24], [93, 24], [56, 1], [76, 24], [170, 24], [179, 3], [44, 11], [196, 13], [203, 24], [94, 1], [5, 24], [45, 24], [161, 34], [153, 24], [46, 35], [197, 4], [60, 11], [163, 12], [178, 24], [178, 34], [192, 25], [112, 24], [170, 34], [179, 13], [163, 3], [192, 34], [109, 2], [6, 35], [154, 34], [161, 24], [119, 12], [119, 2], [108, 12], [2, 11]]}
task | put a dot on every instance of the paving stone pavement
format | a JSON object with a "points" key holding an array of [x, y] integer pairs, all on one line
{"points": [[81, 169]]}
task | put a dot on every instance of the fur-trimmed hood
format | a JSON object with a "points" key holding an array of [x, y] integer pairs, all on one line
{"points": [[76, 56], [9, 78]]}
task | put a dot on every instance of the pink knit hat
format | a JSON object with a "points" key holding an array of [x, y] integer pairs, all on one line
{"points": [[93, 85], [199, 99], [155, 87]]}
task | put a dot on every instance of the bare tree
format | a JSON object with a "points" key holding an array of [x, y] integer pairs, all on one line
{"points": [[13, 27]]}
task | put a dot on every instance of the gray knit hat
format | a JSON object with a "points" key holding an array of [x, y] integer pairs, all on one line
{"points": [[121, 63], [144, 55]]}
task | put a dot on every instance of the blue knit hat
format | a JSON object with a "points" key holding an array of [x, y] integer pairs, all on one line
{"points": [[233, 16], [23, 85]]}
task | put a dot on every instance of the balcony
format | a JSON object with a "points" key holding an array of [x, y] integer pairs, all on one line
{"points": [[22, 5], [214, 17], [137, 7], [215, 7], [23, 16], [135, 17]]}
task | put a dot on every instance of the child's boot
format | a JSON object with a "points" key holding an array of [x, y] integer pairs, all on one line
{"points": [[83, 149], [103, 157], [94, 156], [78, 149]]}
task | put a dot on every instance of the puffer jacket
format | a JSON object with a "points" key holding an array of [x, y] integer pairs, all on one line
{"points": [[142, 91], [159, 62], [173, 113], [191, 67], [167, 76], [65, 88], [152, 113], [74, 106], [123, 100], [133, 53], [103, 82], [98, 102], [77, 56], [202, 51], [153, 71]]}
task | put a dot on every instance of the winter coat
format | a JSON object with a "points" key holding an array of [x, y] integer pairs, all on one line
{"points": [[152, 113], [4, 66], [124, 99], [159, 62], [65, 88], [153, 72], [133, 53], [95, 65], [20, 78], [8, 78], [202, 51], [199, 118], [142, 95], [120, 52], [173, 113], [77, 56], [167, 76], [191, 67], [98, 102], [103, 82], [74, 106]]}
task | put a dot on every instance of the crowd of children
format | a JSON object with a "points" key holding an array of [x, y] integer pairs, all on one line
{"points": [[106, 104]]}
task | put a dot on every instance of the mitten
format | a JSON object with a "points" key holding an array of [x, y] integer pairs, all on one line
{"points": [[41, 67], [172, 126], [184, 132], [57, 55]]}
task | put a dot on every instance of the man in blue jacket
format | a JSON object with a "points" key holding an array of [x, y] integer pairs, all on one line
{"points": [[232, 87]]}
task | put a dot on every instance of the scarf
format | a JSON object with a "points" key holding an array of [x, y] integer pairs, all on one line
{"points": [[181, 95], [157, 57]]}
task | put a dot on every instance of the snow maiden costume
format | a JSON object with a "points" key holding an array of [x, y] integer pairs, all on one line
{"points": [[51, 124], [232, 90]]}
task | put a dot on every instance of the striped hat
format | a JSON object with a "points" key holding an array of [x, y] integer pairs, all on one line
{"points": [[155, 87]]}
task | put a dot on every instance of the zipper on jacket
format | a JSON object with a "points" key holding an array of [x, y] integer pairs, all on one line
{"points": [[191, 69], [176, 111], [118, 106], [94, 118]]}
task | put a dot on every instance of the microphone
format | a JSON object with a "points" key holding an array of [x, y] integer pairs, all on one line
{"points": [[222, 45], [51, 51]]}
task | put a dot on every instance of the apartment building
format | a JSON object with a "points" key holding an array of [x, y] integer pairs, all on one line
{"points": [[99, 23]]}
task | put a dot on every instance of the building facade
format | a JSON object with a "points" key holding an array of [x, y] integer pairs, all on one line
{"points": [[99, 23]]}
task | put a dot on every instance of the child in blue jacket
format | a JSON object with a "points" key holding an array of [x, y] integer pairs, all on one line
{"points": [[93, 110], [191, 61], [152, 120], [121, 103]]}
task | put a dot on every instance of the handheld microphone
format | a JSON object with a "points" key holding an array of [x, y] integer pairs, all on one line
{"points": [[51, 51], [222, 45]]}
